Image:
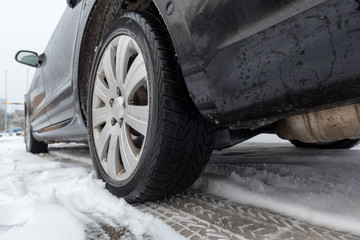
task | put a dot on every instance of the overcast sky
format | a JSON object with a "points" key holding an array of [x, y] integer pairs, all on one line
{"points": [[28, 25]]}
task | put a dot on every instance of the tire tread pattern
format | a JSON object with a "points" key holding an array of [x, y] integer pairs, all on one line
{"points": [[185, 139], [34, 146]]}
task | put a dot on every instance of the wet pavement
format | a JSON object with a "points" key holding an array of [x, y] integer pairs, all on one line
{"points": [[196, 214]]}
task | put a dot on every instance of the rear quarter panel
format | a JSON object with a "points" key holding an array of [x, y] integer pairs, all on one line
{"points": [[250, 63]]}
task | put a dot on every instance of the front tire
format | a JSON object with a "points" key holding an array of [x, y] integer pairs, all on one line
{"points": [[147, 140], [32, 145]]}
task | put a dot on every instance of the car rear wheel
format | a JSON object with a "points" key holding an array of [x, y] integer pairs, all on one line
{"points": [[146, 138], [342, 144], [32, 145]]}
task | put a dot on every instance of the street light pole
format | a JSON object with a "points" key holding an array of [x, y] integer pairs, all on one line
{"points": [[6, 117]]}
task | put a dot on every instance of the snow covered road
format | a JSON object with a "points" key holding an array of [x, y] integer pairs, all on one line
{"points": [[262, 189], [45, 197]]}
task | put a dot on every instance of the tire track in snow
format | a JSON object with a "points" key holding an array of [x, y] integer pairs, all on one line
{"points": [[197, 215]]}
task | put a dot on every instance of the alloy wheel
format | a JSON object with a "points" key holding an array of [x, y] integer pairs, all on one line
{"points": [[120, 108]]}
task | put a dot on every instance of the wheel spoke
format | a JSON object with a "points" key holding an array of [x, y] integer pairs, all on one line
{"points": [[127, 152], [102, 141], [123, 53], [137, 117], [109, 66], [113, 157], [136, 77], [100, 90], [119, 117], [99, 116], [138, 112]]}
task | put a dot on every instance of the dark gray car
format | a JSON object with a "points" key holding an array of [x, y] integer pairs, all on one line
{"points": [[155, 85]]}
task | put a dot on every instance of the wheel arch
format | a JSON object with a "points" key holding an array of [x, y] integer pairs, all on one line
{"points": [[26, 103], [97, 16]]}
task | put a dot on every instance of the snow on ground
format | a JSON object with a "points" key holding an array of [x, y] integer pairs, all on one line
{"points": [[44, 199], [318, 186], [41, 198]]}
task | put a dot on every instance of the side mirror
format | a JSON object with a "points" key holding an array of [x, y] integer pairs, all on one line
{"points": [[27, 57], [72, 3]]}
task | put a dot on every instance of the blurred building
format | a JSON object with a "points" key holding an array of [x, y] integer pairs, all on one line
{"points": [[2, 114], [18, 119], [2, 104]]}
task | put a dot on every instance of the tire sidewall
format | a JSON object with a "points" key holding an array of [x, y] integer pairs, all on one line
{"points": [[32, 145], [130, 187]]}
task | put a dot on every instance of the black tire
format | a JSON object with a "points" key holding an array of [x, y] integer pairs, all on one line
{"points": [[178, 141], [342, 144], [32, 145]]}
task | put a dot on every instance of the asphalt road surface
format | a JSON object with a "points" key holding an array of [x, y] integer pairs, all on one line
{"points": [[197, 214]]}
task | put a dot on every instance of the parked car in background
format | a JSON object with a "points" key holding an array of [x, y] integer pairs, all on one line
{"points": [[155, 85], [18, 130]]}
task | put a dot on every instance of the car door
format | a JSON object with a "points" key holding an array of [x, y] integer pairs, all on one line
{"points": [[58, 66], [36, 101]]}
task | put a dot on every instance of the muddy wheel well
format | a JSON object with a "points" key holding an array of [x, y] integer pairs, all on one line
{"points": [[103, 13]]}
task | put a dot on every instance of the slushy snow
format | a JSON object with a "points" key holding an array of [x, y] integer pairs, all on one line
{"points": [[41, 198], [317, 186]]}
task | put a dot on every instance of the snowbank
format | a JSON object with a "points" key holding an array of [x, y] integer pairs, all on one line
{"points": [[317, 186], [41, 198]]}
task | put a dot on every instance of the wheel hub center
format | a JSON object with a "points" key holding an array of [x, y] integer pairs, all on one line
{"points": [[118, 108]]}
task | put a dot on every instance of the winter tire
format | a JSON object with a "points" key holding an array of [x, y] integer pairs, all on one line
{"points": [[147, 140], [32, 145]]}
